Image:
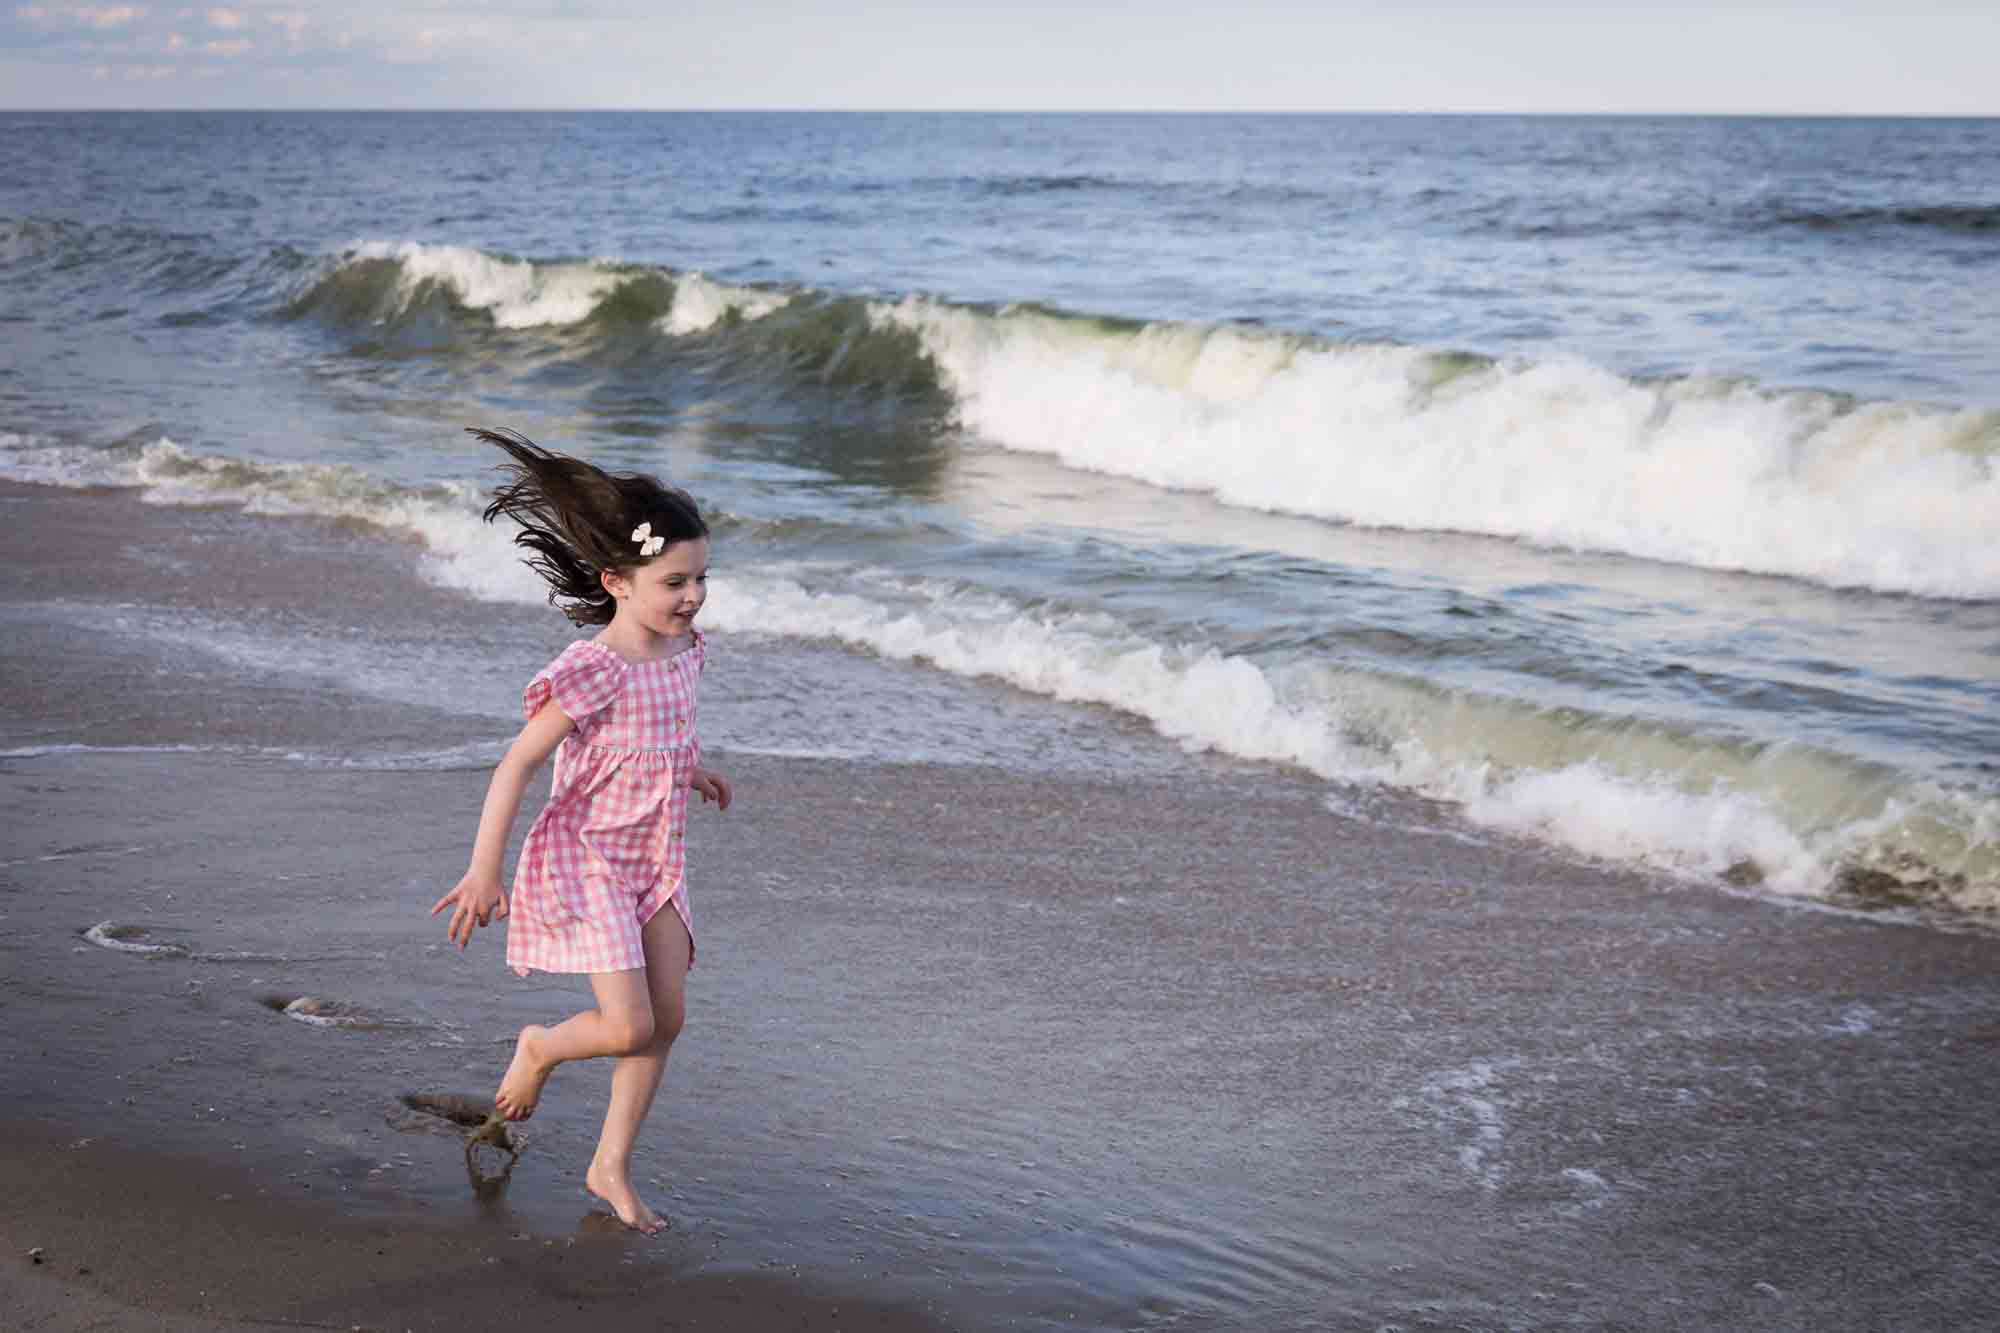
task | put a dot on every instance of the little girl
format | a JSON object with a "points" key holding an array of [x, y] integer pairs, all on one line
{"points": [[605, 856]]}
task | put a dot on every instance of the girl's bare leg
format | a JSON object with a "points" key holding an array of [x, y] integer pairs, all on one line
{"points": [[637, 1076], [621, 1024]]}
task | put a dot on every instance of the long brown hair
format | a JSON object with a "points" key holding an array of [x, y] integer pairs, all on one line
{"points": [[577, 520]]}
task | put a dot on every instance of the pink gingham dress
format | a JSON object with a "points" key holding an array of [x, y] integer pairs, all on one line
{"points": [[606, 853]]}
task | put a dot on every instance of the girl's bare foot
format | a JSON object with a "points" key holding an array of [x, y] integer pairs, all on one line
{"points": [[521, 1086], [615, 1188]]}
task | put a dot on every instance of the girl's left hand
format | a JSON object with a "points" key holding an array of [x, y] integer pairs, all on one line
{"points": [[476, 900], [711, 784]]}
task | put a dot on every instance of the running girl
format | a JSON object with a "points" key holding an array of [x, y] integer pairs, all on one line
{"points": [[600, 886]]}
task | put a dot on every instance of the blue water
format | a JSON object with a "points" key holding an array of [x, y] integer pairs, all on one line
{"points": [[1853, 255], [1626, 482]]}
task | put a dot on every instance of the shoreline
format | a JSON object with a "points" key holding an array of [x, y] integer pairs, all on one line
{"points": [[965, 1049], [1711, 1087]]}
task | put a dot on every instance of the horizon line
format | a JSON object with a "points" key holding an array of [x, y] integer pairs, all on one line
{"points": [[994, 111]]}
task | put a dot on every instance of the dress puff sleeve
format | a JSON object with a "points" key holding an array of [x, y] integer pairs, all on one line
{"points": [[582, 680]]}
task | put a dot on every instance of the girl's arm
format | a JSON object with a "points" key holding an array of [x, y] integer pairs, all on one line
{"points": [[478, 898]]}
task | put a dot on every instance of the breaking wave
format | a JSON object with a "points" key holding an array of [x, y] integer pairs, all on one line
{"points": [[1788, 818], [1704, 471], [1715, 473], [391, 283]]}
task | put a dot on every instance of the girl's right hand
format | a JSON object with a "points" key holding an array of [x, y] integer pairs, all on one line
{"points": [[476, 901]]}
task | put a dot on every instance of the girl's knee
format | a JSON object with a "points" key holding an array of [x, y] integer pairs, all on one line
{"points": [[630, 1033]]}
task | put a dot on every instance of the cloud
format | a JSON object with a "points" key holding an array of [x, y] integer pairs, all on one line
{"points": [[101, 17], [134, 73], [1885, 56], [454, 39], [109, 16]]}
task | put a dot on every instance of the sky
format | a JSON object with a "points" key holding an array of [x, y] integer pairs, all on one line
{"points": [[1781, 57]]}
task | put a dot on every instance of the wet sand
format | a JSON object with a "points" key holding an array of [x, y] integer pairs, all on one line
{"points": [[967, 1048], [156, 1240]]}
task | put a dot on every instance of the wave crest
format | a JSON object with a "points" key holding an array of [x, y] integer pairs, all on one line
{"points": [[399, 283], [1709, 472], [405, 292]]}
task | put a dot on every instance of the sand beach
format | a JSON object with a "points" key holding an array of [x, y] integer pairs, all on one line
{"points": [[968, 1048]]}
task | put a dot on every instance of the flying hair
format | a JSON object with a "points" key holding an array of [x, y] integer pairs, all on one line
{"points": [[577, 521]]}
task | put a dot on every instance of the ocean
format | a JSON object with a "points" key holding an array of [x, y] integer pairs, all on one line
{"points": [[1628, 484]]}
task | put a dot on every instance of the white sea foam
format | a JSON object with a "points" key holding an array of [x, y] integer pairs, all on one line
{"points": [[1701, 472], [701, 303], [1671, 801], [168, 474], [462, 551], [517, 293], [58, 748], [1592, 1191], [477, 756], [523, 293], [34, 459], [1195, 696], [1465, 1103]]}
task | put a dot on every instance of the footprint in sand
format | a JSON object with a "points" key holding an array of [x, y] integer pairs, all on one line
{"points": [[476, 1121], [459, 1109], [323, 1013], [143, 942], [131, 939]]}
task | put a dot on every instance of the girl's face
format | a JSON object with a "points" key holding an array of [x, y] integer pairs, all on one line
{"points": [[664, 595]]}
